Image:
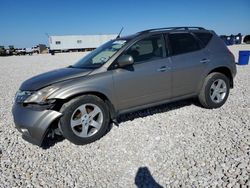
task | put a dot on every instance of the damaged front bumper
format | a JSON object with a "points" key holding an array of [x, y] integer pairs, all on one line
{"points": [[33, 123]]}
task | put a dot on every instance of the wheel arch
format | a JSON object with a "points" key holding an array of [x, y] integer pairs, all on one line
{"points": [[226, 71], [102, 96]]}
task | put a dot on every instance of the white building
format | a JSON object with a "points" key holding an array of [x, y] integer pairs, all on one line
{"points": [[78, 42]]}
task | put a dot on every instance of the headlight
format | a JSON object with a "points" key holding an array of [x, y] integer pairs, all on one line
{"points": [[21, 96], [40, 96]]}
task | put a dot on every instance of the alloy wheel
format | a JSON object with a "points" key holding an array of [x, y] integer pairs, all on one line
{"points": [[218, 91], [86, 120]]}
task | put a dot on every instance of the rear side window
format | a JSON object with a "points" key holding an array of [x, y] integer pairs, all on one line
{"points": [[183, 43], [204, 37]]}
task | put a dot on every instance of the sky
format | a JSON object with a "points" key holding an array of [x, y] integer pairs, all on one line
{"points": [[25, 23]]}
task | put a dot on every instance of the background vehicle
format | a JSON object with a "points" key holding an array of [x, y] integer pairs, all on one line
{"points": [[125, 74], [21, 51], [2, 51]]}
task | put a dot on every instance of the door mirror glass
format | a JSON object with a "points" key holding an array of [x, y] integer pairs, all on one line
{"points": [[125, 60]]}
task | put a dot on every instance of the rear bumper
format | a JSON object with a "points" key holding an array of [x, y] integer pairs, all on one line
{"points": [[33, 124], [234, 70]]}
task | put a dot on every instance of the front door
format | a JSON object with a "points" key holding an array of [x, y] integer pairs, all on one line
{"points": [[148, 80]]}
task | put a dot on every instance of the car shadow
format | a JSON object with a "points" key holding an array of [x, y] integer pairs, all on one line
{"points": [[155, 110], [144, 179], [49, 142]]}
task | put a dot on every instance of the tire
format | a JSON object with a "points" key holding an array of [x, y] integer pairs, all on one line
{"points": [[87, 131], [207, 95]]}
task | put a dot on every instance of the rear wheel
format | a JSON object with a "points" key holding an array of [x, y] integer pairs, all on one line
{"points": [[85, 119], [215, 90]]}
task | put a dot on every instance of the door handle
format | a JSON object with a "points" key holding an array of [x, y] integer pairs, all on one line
{"points": [[163, 69], [204, 60]]}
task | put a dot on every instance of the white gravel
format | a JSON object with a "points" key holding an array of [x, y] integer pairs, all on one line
{"points": [[180, 144]]}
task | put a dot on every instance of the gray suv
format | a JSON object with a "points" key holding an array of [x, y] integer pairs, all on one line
{"points": [[126, 74]]}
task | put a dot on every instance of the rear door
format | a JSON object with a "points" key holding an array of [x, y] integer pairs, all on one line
{"points": [[148, 79], [189, 61]]}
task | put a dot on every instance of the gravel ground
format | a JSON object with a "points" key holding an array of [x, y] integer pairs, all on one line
{"points": [[180, 144]]}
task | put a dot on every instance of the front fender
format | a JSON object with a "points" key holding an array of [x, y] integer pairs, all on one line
{"points": [[68, 92], [102, 84]]}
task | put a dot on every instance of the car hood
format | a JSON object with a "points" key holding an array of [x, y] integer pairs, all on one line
{"points": [[48, 78]]}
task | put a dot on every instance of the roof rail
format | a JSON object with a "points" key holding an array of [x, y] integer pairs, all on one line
{"points": [[172, 28]]}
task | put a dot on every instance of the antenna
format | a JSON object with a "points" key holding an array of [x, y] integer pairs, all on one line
{"points": [[119, 35]]}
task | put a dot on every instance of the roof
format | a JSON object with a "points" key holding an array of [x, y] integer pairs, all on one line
{"points": [[158, 30], [185, 28]]}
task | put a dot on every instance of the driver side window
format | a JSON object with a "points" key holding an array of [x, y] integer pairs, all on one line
{"points": [[147, 49]]}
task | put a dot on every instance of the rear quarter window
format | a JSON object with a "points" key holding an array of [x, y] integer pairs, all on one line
{"points": [[204, 37]]}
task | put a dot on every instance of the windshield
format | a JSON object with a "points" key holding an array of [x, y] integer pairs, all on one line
{"points": [[100, 55]]}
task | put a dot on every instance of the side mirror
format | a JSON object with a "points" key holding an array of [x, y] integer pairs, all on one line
{"points": [[125, 60]]}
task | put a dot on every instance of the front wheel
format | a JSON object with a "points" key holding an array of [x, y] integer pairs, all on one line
{"points": [[85, 119], [215, 90]]}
